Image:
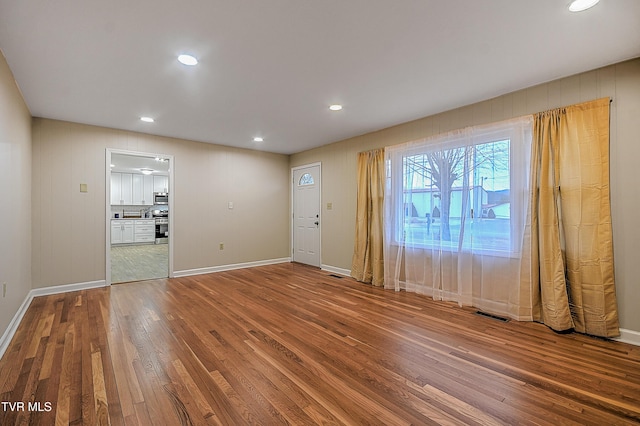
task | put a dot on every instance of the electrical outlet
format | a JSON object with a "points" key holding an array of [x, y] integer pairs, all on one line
{"points": [[221, 246]]}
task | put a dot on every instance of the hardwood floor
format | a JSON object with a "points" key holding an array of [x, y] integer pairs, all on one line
{"points": [[290, 344]]}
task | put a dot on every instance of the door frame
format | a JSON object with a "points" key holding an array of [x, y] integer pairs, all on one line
{"points": [[107, 165], [292, 204]]}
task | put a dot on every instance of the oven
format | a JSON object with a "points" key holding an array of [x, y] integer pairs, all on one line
{"points": [[162, 230]]}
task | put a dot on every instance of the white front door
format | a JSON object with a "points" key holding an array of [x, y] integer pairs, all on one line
{"points": [[306, 215]]}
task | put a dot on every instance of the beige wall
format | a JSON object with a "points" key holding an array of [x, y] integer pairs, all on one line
{"points": [[69, 239], [621, 82], [15, 206]]}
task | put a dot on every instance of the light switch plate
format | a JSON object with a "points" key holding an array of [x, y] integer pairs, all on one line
{"points": [[84, 187]]}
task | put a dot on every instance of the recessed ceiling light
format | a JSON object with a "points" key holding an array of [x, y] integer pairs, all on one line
{"points": [[335, 107], [580, 5], [147, 119], [258, 139], [187, 59]]}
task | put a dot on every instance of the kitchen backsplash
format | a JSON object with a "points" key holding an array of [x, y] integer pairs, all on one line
{"points": [[119, 210]]}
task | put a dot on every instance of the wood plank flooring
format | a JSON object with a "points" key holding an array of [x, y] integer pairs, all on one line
{"points": [[290, 344]]}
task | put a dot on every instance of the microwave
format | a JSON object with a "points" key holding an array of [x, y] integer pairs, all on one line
{"points": [[160, 198]]}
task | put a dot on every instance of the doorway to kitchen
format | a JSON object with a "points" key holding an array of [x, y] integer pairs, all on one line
{"points": [[139, 207]]}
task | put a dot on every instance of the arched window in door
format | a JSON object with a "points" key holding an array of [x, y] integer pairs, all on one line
{"points": [[306, 179]]}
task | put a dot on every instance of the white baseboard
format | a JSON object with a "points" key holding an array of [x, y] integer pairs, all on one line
{"points": [[44, 291], [13, 325], [333, 269], [628, 336], [221, 268], [66, 288]]}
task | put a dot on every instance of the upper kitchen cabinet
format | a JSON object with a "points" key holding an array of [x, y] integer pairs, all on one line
{"points": [[142, 189], [160, 183], [116, 188], [121, 188], [135, 189]]}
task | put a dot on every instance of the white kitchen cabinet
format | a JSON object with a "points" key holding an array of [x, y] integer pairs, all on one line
{"points": [[127, 188], [133, 231], [147, 190], [144, 231], [135, 189], [160, 183], [142, 189], [116, 188], [122, 231], [116, 232], [121, 188]]}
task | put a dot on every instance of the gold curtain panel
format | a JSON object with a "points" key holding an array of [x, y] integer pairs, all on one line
{"points": [[571, 215], [368, 261]]}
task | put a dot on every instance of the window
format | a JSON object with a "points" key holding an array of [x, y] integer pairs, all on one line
{"points": [[462, 191], [306, 179]]}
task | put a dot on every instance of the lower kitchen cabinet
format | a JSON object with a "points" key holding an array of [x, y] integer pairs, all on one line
{"points": [[122, 231], [144, 231], [133, 231]]}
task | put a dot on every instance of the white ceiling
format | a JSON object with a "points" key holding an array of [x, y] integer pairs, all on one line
{"points": [[135, 163], [271, 68]]}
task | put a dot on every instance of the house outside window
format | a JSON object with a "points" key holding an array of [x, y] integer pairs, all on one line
{"points": [[463, 191]]}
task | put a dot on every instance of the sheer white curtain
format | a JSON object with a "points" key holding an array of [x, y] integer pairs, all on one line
{"points": [[456, 217]]}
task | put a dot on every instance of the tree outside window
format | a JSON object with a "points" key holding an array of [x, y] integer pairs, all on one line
{"points": [[459, 196]]}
